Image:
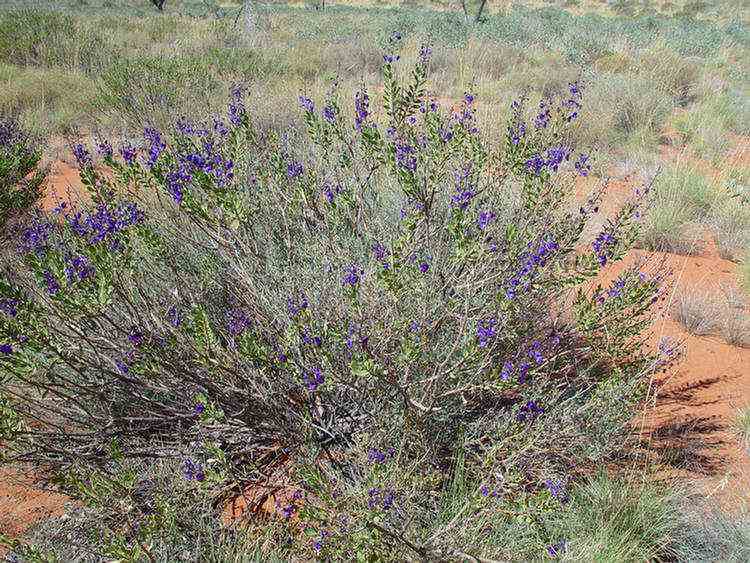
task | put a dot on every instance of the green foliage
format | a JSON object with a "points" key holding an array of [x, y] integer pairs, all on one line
{"points": [[613, 519], [21, 181]]}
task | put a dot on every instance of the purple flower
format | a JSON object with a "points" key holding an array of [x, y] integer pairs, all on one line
{"points": [[556, 488], [424, 54], [375, 456], [199, 408], [388, 59], [296, 304], [294, 169], [331, 191], [128, 153], [361, 109], [556, 156], [582, 165], [462, 198], [329, 114], [424, 267], [193, 470], [236, 106], [80, 267], [485, 218], [36, 237], [306, 104], [557, 549], [82, 156], [486, 331], [507, 371], [468, 98], [517, 132], [156, 145], [174, 317], [603, 247], [6, 349], [536, 164], [529, 411], [104, 149], [531, 262], [406, 157], [380, 498], [313, 379], [53, 287], [237, 322], [220, 128], [9, 307], [543, 117], [352, 275], [311, 340]]}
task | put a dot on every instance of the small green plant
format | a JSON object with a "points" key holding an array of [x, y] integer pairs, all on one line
{"points": [[612, 519], [21, 180]]}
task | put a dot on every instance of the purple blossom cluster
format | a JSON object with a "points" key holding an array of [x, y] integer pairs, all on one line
{"points": [[406, 157], [294, 169], [331, 191], [572, 104], [352, 276], [583, 165], [379, 498], [557, 488], [78, 268], [307, 104], [604, 246], [361, 109], [464, 190], [35, 238], [193, 470], [465, 117], [9, 307], [156, 145], [531, 261], [557, 549], [313, 379], [237, 322], [50, 281], [536, 353], [236, 110], [288, 511], [128, 153], [295, 304], [542, 118], [106, 222], [104, 149], [485, 218], [381, 255], [529, 411], [83, 156], [551, 161], [319, 542], [378, 457], [6, 349], [486, 331]]}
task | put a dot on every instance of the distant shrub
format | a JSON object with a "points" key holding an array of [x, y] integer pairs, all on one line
{"points": [[21, 180], [385, 332]]}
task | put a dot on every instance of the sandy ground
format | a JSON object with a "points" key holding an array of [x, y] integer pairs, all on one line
{"points": [[688, 419]]}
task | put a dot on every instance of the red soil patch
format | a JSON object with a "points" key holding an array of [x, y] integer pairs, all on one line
{"points": [[22, 504], [63, 185]]}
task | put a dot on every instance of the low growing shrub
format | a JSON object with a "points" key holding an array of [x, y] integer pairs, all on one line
{"points": [[384, 334], [21, 180]]}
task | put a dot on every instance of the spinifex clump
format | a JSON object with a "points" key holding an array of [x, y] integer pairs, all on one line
{"points": [[371, 326]]}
